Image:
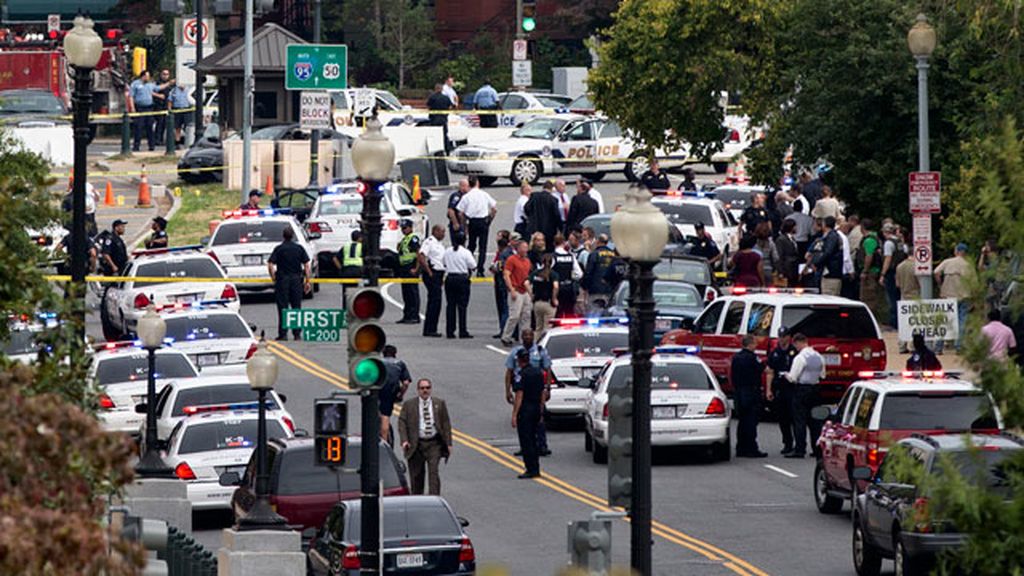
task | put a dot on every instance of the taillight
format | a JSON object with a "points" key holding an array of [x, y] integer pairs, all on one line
{"points": [[184, 471], [604, 411], [288, 422], [320, 227], [392, 224], [106, 403], [141, 301], [716, 407], [350, 560], [466, 552], [873, 456], [921, 521], [734, 135], [252, 350], [229, 292]]}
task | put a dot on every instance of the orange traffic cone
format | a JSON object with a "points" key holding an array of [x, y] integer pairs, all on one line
{"points": [[730, 173], [144, 200], [108, 199], [268, 190], [417, 195], [740, 174]]}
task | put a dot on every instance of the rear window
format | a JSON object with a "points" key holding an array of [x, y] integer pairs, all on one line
{"points": [[300, 475], [989, 468], [250, 231], [937, 411], [22, 342], [584, 343], [136, 368], [687, 213], [413, 523], [225, 435], [188, 328], [825, 321], [666, 376], [219, 394], [692, 271], [339, 207], [191, 268]]}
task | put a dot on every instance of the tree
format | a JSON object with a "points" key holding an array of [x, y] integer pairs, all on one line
{"points": [[665, 62], [408, 37]]}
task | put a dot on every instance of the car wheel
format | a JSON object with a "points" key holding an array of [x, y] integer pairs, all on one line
{"points": [[110, 333], [526, 170], [486, 180], [722, 452], [720, 167], [600, 454], [597, 176], [635, 167], [866, 559], [905, 565], [826, 503], [588, 442]]}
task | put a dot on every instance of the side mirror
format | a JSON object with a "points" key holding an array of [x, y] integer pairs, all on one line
{"points": [[283, 397], [862, 473], [230, 479], [252, 327], [586, 382], [141, 408], [463, 522], [823, 412], [205, 240]]}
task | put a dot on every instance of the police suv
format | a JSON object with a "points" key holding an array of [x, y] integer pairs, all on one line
{"points": [[579, 348], [685, 209], [25, 335], [153, 273], [244, 240]]}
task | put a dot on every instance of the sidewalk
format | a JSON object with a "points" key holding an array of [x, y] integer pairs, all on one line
{"points": [[950, 360], [125, 176]]}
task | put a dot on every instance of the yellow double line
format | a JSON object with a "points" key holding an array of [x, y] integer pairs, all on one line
{"points": [[709, 551]]}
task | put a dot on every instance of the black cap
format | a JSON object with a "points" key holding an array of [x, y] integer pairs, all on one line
{"points": [[522, 353], [161, 221], [698, 226], [117, 223], [405, 223], [783, 331], [256, 193]]}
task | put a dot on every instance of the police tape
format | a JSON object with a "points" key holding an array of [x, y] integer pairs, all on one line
{"points": [[246, 280]]}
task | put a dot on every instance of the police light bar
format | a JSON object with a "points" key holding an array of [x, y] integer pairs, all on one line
{"points": [[47, 318], [152, 251], [122, 344], [691, 193], [192, 305], [907, 374], [740, 290], [595, 321], [190, 410], [676, 349], [250, 212]]}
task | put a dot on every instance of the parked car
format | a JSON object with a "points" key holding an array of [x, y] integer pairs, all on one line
{"points": [[675, 302], [677, 244]]}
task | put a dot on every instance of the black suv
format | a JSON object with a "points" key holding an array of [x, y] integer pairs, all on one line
{"points": [[890, 519]]}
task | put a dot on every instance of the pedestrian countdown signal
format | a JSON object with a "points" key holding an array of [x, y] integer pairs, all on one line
{"points": [[330, 428]]}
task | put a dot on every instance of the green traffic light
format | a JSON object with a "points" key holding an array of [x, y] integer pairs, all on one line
{"points": [[529, 24], [366, 372]]}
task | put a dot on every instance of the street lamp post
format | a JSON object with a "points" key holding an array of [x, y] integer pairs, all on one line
{"points": [[373, 156], [152, 330], [921, 41], [262, 372], [641, 232], [82, 47]]}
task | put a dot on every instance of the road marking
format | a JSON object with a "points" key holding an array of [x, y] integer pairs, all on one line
{"points": [[709, 551], [496, 349], [392, 301], [785, 473]]}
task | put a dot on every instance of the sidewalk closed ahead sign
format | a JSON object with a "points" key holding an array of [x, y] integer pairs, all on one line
{"points": [[935, 319]]}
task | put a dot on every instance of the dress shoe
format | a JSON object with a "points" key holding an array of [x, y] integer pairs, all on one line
{"points": [[408, 321], [466, 336], [506, 342], [794, 455], [544, 453], [432, 334], [450, 336], [528, 475], [518, 453], [496, 336], [786, 451]]}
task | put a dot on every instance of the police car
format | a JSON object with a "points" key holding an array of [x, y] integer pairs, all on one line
{"points": [[579, 348], [684, 209], [557, 144], [123, 303], [204, 446], [737, 197], [244, 240], [25, 335], [390, 112], [216, 339], [687, 406], [517, 108], [121, 371], [48, 237], [337, 212]]}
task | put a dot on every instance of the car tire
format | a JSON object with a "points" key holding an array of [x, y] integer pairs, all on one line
{"points": [[867, 561], [826, 503], [633, 170], [722, 452], [110, 333], [600, 454], [588, 442], [526, 170], [904, 564], [597, 176], [720, 167], [486, 180]]}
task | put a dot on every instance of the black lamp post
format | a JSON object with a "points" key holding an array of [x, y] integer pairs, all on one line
{"points": [[640, 232], [373, 156], [262, 372], [152, 330]]}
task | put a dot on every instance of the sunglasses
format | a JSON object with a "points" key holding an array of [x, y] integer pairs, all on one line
{"points": [[424, 387]]}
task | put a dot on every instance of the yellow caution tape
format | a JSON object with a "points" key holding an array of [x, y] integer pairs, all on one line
{"points": [[264, 280]]}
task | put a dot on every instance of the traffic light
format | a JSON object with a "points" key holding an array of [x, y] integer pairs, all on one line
{"points": [[330, 430], [620, 444], [590, 545], [264, 6], [528, 19], [366, 339]]}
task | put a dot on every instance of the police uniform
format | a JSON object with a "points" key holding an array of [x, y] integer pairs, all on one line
{"points": [[541, 360], [655, 183], [158, 239], [564, 265], [704, 247], [290, 260], [112, 245], [408, 248], [432, 273], [745, 374], [752, 217], [780, 360], [531, 386], [350, 261]]}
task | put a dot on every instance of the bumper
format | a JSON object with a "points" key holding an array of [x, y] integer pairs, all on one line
{"points": [[209, 495], [126, 421], [570, 400], [249, 272], [695, 432], [918, 544], [489, 168]]}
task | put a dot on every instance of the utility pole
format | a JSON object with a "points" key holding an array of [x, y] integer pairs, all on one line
{"points": [[314, 137], [247, 104], [200, 77]]}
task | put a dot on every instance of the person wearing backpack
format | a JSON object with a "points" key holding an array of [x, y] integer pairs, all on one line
{"points": [[892, 255], [869, 266]]}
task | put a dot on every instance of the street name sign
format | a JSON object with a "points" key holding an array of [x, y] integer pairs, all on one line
{"points": [[934, 319], [925, 192], [317, 325], [316, 67], [315, 111]]}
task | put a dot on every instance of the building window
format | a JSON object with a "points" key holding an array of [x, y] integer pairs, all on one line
{"points": [[265, 105]]}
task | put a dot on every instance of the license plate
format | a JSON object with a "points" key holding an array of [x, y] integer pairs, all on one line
{"points": [[832, 359], [208, 359], [186, 298], [662, 324], [664, 412], [252, 260], [461, 167], [138, 398], [409, 560]]}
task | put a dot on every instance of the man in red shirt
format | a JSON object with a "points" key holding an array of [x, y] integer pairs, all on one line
{"points": [[520, 306]]}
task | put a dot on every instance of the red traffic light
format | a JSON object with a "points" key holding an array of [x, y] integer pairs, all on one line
{"points": [[114, 34], [53, 34], [366, 304]]}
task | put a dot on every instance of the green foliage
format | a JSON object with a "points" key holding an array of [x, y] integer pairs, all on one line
{"points": [[408, 37]]}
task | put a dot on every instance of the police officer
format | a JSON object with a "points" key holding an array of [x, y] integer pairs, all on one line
{"points": [[780, 359], [253, 203], [527, 411], [158, 239], [745, 374], [114, 253], [349, 260], [807, 370], [408, 267], [756, 213], [431, 266], [655, 180], [704, 246], [569, 273], [289, 269]]}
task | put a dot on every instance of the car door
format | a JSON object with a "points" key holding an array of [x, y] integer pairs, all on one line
{"points": [[832, 434], [575, 147], [327, 544], [877, 516], [512, 107], [612, 149], [854, 440], [718, 348]]}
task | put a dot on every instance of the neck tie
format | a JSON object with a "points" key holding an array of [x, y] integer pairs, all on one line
{"points": [[565, 206], [428, 422]]}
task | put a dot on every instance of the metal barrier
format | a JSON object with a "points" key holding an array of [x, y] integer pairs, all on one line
{"points": [[186, 557]]}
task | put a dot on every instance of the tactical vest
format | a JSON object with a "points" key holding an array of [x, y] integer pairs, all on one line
{"points": [[405, 255]]}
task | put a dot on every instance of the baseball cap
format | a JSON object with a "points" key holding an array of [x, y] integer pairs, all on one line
{"points": [[783, 331], [961, 247], [698, 226], [522, 353], [255, 193], [405, 223], [118, 222], [161, 221]]}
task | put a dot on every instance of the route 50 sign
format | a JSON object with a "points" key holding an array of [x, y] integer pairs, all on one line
{"points": [[316, 67]]}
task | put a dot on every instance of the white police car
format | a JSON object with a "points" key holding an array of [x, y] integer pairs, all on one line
{"points": [[685, 209], [390, 112], [25, 335], [517, 108], [557, 144], [123, 303], [737, 197], [208, 444], [120, 370], [688, 408], [244, 240], [216, 339], [579, 348]]}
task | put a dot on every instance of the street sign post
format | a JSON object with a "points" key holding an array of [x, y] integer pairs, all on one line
{"points": [[315, 111], [366, 101], [519, 47], [317, 325], [316, 67], [925, 192], [522, 73], [922, 244]]}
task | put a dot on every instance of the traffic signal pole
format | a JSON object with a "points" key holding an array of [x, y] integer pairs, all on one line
{"points": [[200, 77]]}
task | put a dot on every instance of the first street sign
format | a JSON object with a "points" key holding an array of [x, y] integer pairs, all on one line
{"points": [[316, 67], [925, 191], [317, 325]]}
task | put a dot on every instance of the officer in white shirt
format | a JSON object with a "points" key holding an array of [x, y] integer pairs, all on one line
{"points": [[431, 259], [518, 214], [476, 210], [806, 371], [597, 198], [458, 264]]}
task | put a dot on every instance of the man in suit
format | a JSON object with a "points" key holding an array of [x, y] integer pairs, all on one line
{"points": [[542, 214], [582, 205], [426, 434]]}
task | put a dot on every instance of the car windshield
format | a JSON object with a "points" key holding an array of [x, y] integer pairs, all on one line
{"points": [[666, 295], [601, 224], [540, 129], [733, 198], [226, 435], [583, 342], [250, 231], [553, 100], [418, 521], [41, 102], [270, 132], [190, 268], [219, 394], [692, 271], [189, 328], [300, 474], [666, 376], [21, 342], [390, 98], [830, 321], [135, 368], [687, 213], [340, 206], [937, 411]]}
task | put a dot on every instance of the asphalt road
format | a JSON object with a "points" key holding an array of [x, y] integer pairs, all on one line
{"points": [[744, 517]]}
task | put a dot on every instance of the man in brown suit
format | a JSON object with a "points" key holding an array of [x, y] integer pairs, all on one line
{"points": [[426, 434]]}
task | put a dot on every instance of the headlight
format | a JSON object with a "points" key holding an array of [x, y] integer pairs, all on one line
{"points": [[495, 155]]}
